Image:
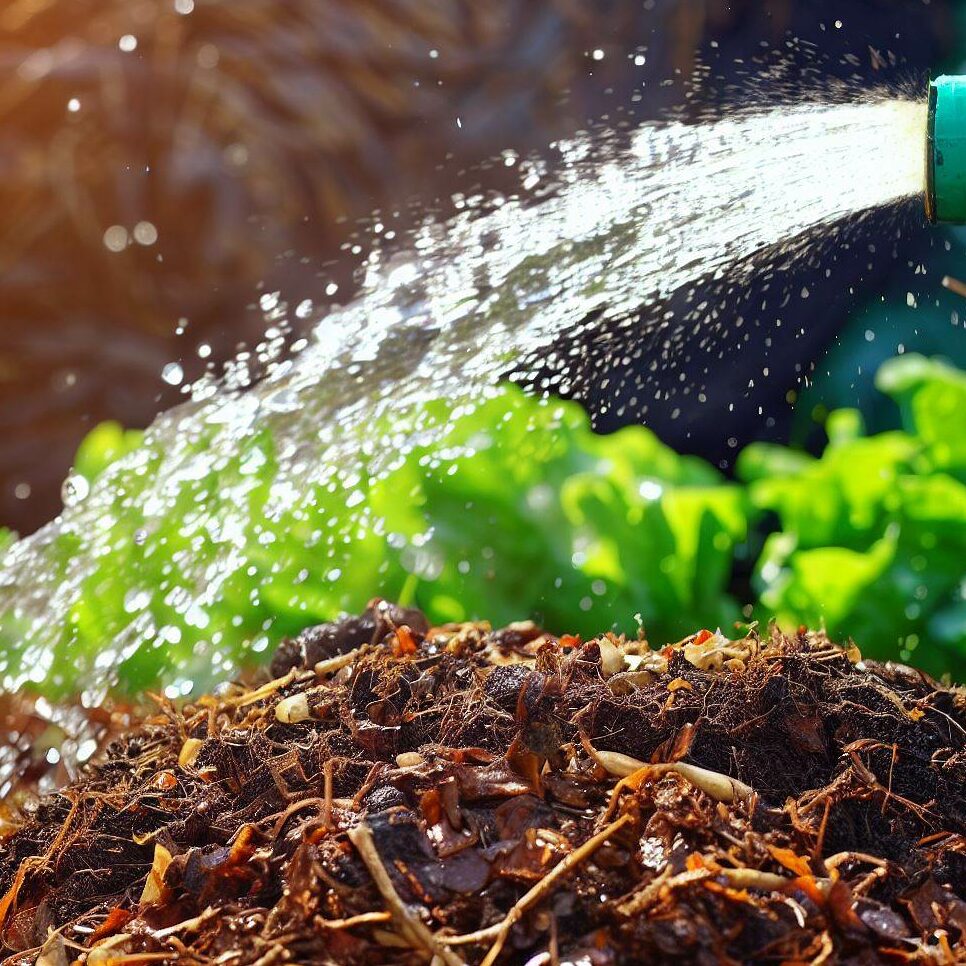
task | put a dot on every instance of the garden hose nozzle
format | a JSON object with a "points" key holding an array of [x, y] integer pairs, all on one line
{"points": [[946, 150]]}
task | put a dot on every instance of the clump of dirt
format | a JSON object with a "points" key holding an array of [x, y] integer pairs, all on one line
{"points": [[404, 794]]}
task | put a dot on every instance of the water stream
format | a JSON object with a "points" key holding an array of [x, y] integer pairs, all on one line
{"points": [[615, 228]]}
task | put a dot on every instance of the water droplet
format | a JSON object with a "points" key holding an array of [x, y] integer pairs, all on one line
{"points": [[145, 233], [116, 238], [208, 56], [75, 489], [85, 749], [128, 43], [135, 600], [236, 155], [172, 374], [73, 105]]}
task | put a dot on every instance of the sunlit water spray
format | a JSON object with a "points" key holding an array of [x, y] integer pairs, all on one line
{"points": [[616, 229]]}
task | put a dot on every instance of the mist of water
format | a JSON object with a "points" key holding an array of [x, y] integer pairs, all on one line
{"points": [[616, 228]]}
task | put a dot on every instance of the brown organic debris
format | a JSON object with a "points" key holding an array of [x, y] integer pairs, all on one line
{"points": [[404, 794]]}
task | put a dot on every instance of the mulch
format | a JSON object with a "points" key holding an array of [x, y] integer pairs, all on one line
{"points": [[397, 793]]}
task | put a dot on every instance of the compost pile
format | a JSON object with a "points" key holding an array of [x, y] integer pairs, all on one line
{"points": [[404, 794]]}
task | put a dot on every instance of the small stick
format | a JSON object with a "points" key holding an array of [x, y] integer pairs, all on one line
{"points": [[327, 804], [935, 837], [125, 958], [823, 826], [638, 902], [411, 927], [183, 926], [359, 920], [263, 692], [554, 946], [291, 810], [834, 861], [369, 783], [862, 887], [272, 956], [766, 881], [334, 664]]}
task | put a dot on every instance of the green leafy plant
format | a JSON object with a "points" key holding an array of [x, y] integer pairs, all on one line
{"points": [[871, 537], [536, 516], [102, 446]]}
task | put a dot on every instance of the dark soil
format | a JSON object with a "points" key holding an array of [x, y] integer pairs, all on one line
{"points": [[462, 795]]}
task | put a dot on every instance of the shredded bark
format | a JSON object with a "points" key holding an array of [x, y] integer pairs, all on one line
{"points": [[404, 794]]}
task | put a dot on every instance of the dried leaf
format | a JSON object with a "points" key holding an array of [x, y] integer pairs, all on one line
{"points": [[53, 952], [790, 860], [189, 752], [116, 919], [154, 888]]}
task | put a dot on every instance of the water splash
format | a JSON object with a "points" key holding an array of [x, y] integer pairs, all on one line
{"points": [[616, 228]]}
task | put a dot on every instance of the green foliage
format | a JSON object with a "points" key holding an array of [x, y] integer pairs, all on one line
{"points": [[532, 514], [872, 536], [536, 516], [102, 446]]}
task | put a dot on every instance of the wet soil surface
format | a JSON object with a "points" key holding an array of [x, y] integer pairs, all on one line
{"points": [[404, 794]]}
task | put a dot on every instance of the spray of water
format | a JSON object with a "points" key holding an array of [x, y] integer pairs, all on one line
{"points": [[613, 230]]}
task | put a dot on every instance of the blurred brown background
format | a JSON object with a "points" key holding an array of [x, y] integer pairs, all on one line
{"points": [[163, 162]]}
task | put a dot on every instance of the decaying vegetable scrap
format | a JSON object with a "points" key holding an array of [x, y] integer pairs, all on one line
{"points": [[402, 794]]}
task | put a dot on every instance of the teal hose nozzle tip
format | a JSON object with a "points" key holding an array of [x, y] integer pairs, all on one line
{"points": [[946, 150]]}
